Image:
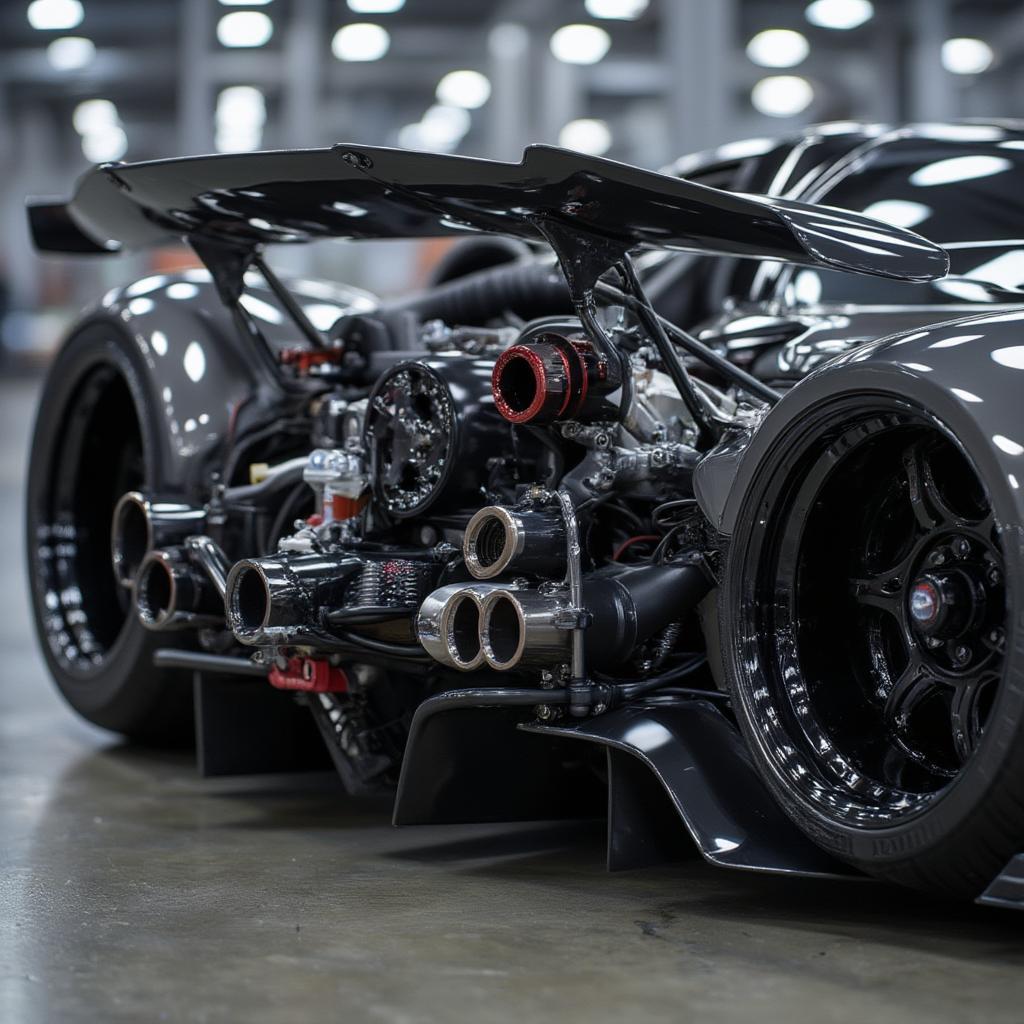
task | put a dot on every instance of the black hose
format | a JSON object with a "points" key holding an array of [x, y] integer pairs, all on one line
{"points": [[365, 615], [558, 456], [411, 651], [624, 691], [530, 289]]}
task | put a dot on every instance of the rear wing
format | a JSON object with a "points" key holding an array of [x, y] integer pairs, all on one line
{"points": [[245, 201]]}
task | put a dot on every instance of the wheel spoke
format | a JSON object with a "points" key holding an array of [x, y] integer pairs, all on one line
{"points": [[882, 592], [965, 717], [930, 508], [906, 695]]}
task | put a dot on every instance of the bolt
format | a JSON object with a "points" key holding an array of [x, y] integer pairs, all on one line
{"points": [[994, 576], [933, 642], [937, 558], [544, 712], [961, 655], [961, 547], [995, 636]]}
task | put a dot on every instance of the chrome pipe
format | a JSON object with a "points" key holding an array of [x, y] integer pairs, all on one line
{"points": [[141, 524], [171, 594], [449, 622]]}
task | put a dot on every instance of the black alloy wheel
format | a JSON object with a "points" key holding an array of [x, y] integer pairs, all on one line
{"points": [[865, 613]]}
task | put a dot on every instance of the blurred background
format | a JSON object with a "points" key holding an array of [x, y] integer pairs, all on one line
{"points": [[644, 81]]}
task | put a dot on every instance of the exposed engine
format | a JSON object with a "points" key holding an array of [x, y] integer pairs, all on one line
{"points": [[513, 501]]}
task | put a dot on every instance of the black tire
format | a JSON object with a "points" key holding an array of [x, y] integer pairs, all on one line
{"points": [[814, 664], [96, 436]]}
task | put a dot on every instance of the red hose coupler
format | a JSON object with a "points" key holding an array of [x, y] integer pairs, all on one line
{"points": [[546, 379]]}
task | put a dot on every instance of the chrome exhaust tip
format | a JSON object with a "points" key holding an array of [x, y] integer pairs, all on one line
{"points": [[170, 594], [140, 525], [519, 628], [449, 625], [248, 601], [498, 538], [156, 591], [131, 536]]}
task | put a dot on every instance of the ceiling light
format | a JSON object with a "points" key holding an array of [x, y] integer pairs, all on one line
{"points": [[580, 44], [68, 53], [241, 104], [778, 48], [55, 15], [409, 137], [237, 139], [360, 41], [839, 14], [966, 56], [623, 10], [375, 6], [91, 115], [444, 126], [468, 89], [586, 135], [104, 144], [782, 95], [244, 28]]}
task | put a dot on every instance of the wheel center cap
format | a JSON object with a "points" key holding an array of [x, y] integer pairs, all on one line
{"points": [[925, 603]]}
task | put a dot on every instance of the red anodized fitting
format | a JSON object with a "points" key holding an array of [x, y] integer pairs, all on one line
{"points": [[309, 675], [542, 380]]}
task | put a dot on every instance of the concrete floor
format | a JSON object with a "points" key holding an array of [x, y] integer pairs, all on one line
{"points": [[132, 890]]}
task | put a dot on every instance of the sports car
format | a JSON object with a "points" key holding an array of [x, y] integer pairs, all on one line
{"points": [[691, 497]]}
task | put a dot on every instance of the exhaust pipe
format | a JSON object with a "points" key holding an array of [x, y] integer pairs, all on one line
{"points": [[171, 593], [521, 629], [524, 628], [141, 525], [449, 624], [278, 600], [528, 540]]}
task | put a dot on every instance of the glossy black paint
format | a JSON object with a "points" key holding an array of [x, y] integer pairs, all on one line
{"points": [[466, 761], [204, 382], [701, 762], [364, 192]]}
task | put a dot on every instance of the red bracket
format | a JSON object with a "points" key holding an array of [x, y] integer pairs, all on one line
{"points": [[310, 675]]}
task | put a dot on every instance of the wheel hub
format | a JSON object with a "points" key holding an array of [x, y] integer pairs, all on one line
{"points": [[944, 605]]}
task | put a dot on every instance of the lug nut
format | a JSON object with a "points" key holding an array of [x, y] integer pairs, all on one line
{"points": [[961, 547], [961, 655], [937, 558], [995, 636], [994, 576]]}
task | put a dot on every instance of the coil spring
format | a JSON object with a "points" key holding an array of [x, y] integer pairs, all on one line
{"points": [[395, 583]]}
